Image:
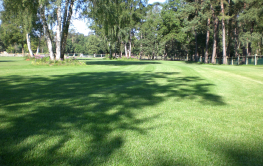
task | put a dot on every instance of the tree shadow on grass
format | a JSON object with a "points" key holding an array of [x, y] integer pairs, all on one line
{"points": [[119, 63], [239, 153], [249, 157], [6, 61], [194, 62], [81, 118], [85, 59]]}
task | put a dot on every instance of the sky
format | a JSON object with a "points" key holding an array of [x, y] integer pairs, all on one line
{"points": [[81, 26]]}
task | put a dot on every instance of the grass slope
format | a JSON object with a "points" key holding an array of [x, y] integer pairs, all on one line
{"points": [[130, 113]]}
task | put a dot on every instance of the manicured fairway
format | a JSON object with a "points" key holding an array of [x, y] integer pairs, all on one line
{"points": [[130, 113]]}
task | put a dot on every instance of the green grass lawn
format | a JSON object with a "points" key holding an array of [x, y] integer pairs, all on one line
{"points": [[130, 113]]}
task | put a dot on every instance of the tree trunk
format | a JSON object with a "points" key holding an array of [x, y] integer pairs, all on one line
{"points": [[229, 30], [196, 46], [37, 52], [115, 52], [65, 28], [223, 34], [23, 52], [120, 48], [38, 46], [229, 39], [247, 48], [141, 47], [58, 42], [236, 39], [46, 33], [207, 40], [130, 45], [249, 44], [259, 46], [125, 49], [215, 37], [29, 45]]}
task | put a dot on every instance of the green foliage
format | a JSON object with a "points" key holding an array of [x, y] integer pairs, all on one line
{"points": [[78, 43], [176, 27], [93, 44], [10, 49], [107, 57], [11, 33]]}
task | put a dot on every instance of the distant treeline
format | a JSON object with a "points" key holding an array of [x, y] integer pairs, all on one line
{"points": [[181, 28]]}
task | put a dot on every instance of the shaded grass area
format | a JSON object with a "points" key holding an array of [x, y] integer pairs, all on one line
{"points": [[119, 63], [6, 61], [121, 118]]}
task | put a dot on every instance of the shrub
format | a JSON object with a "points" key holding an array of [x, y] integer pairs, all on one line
{"points": [[68, 61], [132, 58], [107, 57]]}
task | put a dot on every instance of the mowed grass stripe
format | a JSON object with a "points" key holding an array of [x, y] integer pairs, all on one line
{"points": [[130, 113]]}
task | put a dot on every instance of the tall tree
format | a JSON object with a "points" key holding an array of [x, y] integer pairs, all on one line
{"points": [[46, 31], [23, 13], [223, 33]]}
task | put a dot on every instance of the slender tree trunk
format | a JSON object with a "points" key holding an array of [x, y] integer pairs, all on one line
{"points": [[229, 29], [120, 48], [207, 40], [249, 45], [236, 39], [115, 53], [29, 45], [141, 47], [130, 45], [259, 45], [63, 35], [37, 52], [196, 47], [121, 54], [125, 49], [66, 22], [215, 19], [46, 33], [23, 51], [58, 42], [229, 38], [223, 34], [130, 50], [38, 46]]}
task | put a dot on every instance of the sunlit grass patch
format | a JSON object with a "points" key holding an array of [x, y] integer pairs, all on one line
{"points": [[130, 113]]}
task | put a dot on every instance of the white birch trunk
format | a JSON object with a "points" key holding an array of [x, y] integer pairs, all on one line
{"points": [[39, 40], [130, 45], [46, 33], [125, 48], [29, 44], [37, 50], [130, 50], [58, 42]]}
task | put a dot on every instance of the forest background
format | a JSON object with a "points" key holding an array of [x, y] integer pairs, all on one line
{"points": [[176, 28]]}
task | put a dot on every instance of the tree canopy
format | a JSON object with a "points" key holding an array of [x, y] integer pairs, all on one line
{"points": [[196, 29]]}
